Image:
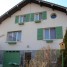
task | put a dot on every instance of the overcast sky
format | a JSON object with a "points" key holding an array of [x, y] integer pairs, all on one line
{"points": [[5, 5]]}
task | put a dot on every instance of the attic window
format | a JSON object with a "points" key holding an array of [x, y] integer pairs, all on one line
{"points": [[38, 16], [53, 15]]}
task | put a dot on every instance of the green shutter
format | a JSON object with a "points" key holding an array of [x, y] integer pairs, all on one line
{"points": [[16, 19], [32, 17], [11, 58], [27, 17], [59, 33], [44, 15], [40, 34]]}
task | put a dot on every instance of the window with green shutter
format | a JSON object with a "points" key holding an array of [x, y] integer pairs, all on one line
{"points": [[59, 32], [40, 34], [17, 19], [38, 16], [50, 33], [32, 17], [44, 15], [27, 19], [22, 19]]}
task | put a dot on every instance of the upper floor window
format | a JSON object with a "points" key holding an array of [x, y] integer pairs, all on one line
{"points": [[14, 36], [49, 33], [31, 17], [53, 15], [22, 19], [38, 16]]}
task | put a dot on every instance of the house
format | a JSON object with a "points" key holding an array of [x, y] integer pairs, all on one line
{"points": [[28, 27]]}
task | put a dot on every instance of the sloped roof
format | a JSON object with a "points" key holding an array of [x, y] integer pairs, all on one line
{"points": [[25, 2]]}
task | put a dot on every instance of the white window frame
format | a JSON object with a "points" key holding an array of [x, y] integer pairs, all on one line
{"points": [[22, 19], [35, 17], [41, 16], [12, 34], [38, 16], [49, 34], [17, 36]]}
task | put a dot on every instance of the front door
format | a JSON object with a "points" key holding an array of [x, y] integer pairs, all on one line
{"points": [[27, 58]]}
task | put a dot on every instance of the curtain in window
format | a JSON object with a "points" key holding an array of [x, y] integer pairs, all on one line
{"points": [[14, 36], [46, 33], [19, 36], [9, 37], [36, 17], [40, 16], [52, 33], [21, 19]]}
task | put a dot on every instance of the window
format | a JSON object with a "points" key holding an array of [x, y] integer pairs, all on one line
{"points": [[14, 36], [49, 33], [21, 19], [38, 16], [53, 15], [31, 17]]}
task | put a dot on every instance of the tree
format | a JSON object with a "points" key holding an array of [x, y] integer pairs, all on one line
{"points": [[65, 40], [44, 58], [65, 51]]}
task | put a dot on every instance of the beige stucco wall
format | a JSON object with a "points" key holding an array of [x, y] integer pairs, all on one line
{"points": [[29, 29]]}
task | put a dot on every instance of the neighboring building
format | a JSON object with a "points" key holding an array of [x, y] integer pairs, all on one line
{"points": [[30, 26]]}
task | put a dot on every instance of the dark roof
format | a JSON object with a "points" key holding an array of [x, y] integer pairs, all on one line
{"points": [[25, 2]]}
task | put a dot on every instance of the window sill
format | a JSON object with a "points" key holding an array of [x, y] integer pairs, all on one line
{"points": [[38, 21], [11, 42], [21, 23], [49, 41]]}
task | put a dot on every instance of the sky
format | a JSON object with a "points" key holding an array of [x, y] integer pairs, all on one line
{"points": [[5, 5]]}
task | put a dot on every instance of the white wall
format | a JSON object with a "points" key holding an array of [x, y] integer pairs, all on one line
{"points": [[29, 29]]}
